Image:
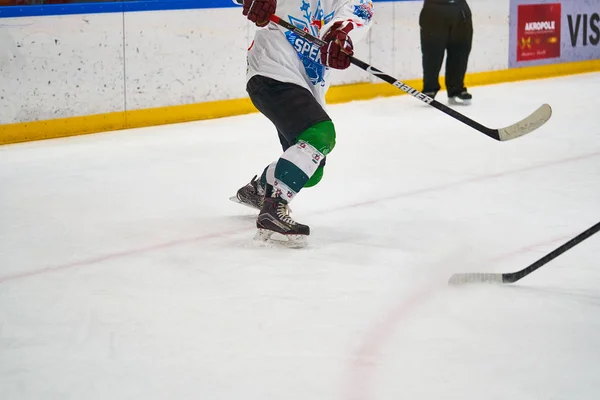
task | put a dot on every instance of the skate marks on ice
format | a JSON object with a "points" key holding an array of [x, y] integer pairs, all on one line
{"points": [[267, 238], [236, 230], [248, 220], [566, 296]]}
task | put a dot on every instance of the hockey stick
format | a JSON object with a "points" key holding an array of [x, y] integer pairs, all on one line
{"points": [[523, 127], [511, 277]]}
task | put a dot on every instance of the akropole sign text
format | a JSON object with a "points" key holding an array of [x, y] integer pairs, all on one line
{"points": [[553, 31]]}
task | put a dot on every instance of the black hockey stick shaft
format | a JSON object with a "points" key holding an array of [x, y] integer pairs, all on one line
{"points": [[493, 133], [511, 277], [515, 276]]}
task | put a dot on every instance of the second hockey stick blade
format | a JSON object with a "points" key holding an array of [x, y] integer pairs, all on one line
{"points": [[530, 123], [511, 277]]}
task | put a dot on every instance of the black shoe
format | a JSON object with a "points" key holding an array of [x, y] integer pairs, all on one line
{"points": [[275, 225], [252, 194], [430, 94], [462, 98]]}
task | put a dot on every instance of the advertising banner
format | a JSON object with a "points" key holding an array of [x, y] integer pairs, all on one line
{"points": [[553, 31]]}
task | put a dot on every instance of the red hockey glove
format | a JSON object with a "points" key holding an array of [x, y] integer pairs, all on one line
{"points": [[259, 11], [336, 53]]}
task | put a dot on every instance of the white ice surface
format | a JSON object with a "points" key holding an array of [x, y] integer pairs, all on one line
{"points": [[126, 273]]}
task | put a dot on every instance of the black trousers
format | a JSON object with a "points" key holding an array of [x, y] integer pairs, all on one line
{"points": [[445, 27]]}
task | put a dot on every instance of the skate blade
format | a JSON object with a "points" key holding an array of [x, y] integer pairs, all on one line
{"points": [[236, 200], [267, 238], [455, 102]]}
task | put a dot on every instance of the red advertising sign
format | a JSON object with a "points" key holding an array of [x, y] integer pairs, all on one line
{"points": [[538, 31]]}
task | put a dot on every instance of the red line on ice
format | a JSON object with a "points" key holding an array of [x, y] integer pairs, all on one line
{"points": [[112, 256], [362, 369], [174, 243]]}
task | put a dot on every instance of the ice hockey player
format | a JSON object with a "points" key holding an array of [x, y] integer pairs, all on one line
{"points": [[287, 79]]}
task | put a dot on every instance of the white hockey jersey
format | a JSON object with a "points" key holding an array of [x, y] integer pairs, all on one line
{"points": [[285, 56]]}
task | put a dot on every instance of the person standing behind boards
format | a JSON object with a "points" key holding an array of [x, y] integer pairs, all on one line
{"points": [[446, 26]]}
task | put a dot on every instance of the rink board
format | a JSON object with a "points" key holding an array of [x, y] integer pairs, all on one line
{"points": [[75, 74]]}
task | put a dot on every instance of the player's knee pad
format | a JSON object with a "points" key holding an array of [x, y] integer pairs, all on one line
{"points": [[321, 136], [316, 178]]}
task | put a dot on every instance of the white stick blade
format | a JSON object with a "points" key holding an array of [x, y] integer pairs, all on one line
{"points": [[462, 279], [538, 118]]}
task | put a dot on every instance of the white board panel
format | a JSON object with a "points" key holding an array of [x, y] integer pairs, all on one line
{"points": [[183, 57], [63, 66], [60, 66]]}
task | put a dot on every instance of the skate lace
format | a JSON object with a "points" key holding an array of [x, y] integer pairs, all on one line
{"points": [[282, 212], [256, 186]]}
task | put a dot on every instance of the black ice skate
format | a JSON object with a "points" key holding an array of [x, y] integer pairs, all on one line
{"points": [[275, 225], [251, 195], [463, 98]]}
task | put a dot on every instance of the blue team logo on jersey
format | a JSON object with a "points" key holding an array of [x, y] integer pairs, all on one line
{"points": [[364, 10], [307, 51]]}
